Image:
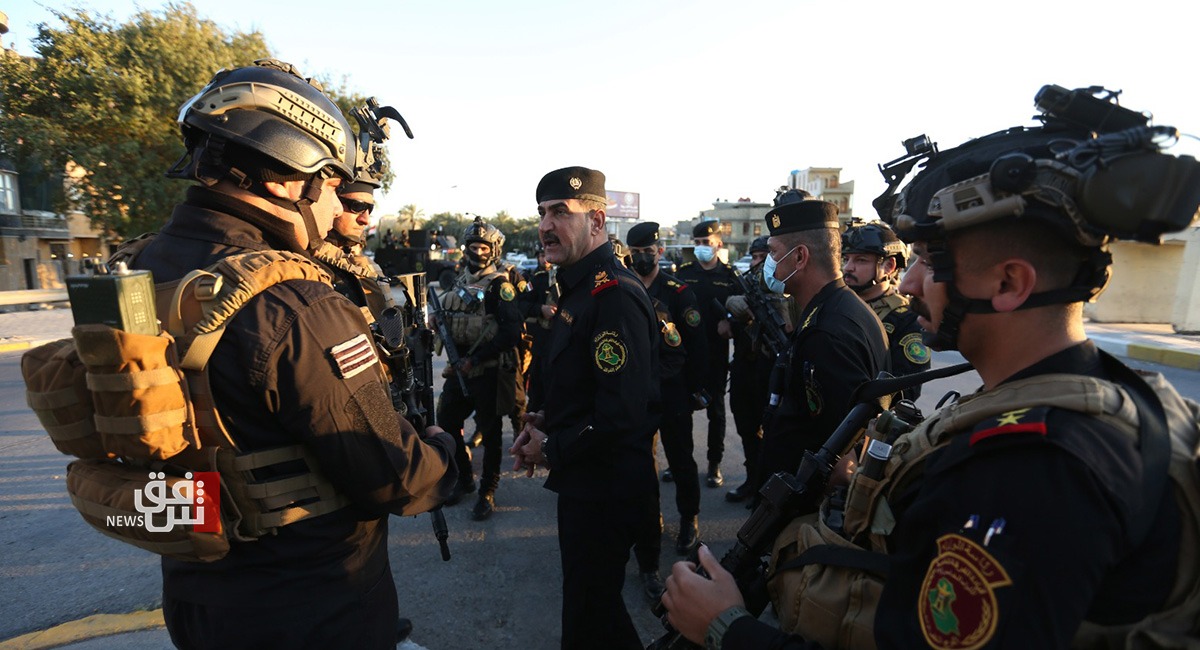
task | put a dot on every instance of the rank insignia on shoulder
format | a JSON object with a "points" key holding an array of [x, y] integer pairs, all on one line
{"points": [[901, 310], [957, 605], [691, 317], [609, 352], [1027, 420], [671, 334], [602, 282], [808, 321], [566, 316], [507, 293], [353, 356], [889, 328], [914, 349]]}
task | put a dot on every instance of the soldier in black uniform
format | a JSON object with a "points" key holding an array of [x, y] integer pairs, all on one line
{"points": [[592, 419], [750, 370], [838, 343], [713, 281], [682, 361], [281, 376], [1030, 523], [485, 324], [872, 256]]}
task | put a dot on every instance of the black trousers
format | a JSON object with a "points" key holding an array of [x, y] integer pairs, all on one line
{"points": [[452, 412], [368, 621], [749, 392], [594, 538], [676, 430], [716, 384]]}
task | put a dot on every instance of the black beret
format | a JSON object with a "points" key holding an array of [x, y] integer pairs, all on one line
{"points": [[706, 228], [759, 244], [809, 214], [644, 234], [572, 183]]}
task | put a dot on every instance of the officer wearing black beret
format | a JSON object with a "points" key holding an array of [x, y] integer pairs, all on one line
{"points": [[713, 281], [683, 359], [592, 419], [837, 344]]}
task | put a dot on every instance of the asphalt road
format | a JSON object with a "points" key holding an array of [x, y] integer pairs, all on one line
{"points": [[500, 590]]}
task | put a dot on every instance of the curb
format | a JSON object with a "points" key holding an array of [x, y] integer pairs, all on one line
{"points": [[91, 627], [14, 346], [1167, 356]]}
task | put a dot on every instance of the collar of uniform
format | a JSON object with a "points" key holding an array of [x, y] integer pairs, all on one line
{"points": [[570, 276], [822, 295], [1082, 359]]}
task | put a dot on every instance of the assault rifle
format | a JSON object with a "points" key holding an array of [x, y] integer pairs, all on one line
{"points": [[785, 495], [770, 323], [405, 342], [443, 329]]}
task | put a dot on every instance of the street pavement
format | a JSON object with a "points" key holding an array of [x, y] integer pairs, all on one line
{"points": [[65, 585]]}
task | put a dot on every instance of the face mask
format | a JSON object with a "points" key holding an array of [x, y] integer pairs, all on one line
{"points": [[774, 285], [643, 263], [704, 253]]}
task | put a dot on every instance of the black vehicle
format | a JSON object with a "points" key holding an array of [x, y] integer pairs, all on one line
{"points": [[419, 251]]}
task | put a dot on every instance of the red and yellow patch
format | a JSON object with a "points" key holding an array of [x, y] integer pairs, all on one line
{"points": [[1027, 420], [957, 605], [602, 282]]}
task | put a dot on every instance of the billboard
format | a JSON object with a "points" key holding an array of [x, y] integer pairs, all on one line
{"points": [[624, 205]]}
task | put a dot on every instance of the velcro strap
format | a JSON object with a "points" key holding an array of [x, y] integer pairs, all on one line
{"points": [[52, 400], [137, 424], [280, 486], [73, 431], [296, 513], [841, 556], [125, 381], [255, 460]]}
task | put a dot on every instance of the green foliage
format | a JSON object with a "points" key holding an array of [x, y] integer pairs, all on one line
{"points": [[101, 98]]}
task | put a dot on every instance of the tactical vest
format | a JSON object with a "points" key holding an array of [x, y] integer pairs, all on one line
{"points": [[466, 315], [378, 297], [129, 405], [887, 304], [832, 600]]}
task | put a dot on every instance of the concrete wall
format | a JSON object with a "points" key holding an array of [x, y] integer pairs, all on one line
{"points": [[1143, 286], [1186, 314]]}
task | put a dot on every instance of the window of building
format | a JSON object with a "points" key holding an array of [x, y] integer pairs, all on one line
{"points": [[745, 227], [726, 229], [8, 197], [758, 230]]}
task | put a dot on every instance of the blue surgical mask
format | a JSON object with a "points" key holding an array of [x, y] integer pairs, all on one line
{"points": [[704, 253], [774, 285]]}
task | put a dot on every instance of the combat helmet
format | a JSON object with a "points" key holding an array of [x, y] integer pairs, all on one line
{"points": [[482, 233], [263, 123], [1092, 170]]}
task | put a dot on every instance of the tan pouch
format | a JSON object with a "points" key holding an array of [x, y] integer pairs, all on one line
{"points": [[106, 493], [56, 390], [139, 393]]}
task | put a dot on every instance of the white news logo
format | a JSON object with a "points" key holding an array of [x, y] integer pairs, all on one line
{"points": [[165, 506]]}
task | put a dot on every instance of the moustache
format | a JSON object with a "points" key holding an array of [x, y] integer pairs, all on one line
{"points": [[549, 238]]}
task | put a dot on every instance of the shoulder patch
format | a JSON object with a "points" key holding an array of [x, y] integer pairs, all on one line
{"points": [[957, 605], [889, 328], [507, 293], [609, 352], [671, 334], [602, 281], [691, 317], [1026, 420], [914, 348], [353, 356]]}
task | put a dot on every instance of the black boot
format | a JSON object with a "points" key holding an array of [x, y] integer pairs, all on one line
{"points": [[715, 480], [652, 586], [689, 536], [484, 507], [461, 489], [740, 493], [403, 629]]}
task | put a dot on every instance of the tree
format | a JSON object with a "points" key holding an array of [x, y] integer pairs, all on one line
{"points": [[101, 98]]}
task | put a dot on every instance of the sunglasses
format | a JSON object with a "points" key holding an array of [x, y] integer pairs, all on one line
{"points": [[356, 206]]}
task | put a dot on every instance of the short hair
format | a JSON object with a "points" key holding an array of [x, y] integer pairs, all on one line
{"points": [[593, 205], [824, 247], [1057, 256]]}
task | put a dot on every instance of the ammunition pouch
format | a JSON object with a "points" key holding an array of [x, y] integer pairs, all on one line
{"points": [[131, 404]]}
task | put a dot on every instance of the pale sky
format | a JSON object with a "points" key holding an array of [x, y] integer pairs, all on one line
{"points": [[689, 102]]}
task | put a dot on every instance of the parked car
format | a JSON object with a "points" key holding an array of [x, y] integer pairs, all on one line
{"points": [[743, 264], [526, 266], [666, 265]]}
